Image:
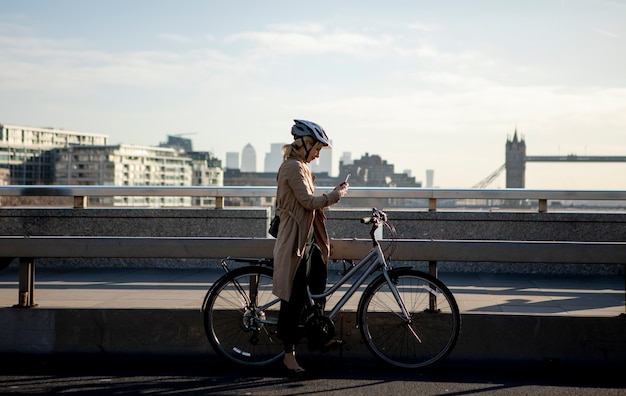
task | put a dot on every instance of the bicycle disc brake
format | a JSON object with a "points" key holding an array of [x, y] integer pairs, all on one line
{"points": [[251, 321], [319, 330]]}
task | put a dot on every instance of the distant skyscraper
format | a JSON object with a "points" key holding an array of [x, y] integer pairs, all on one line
{"points": [[346, 158], [178, 143], [232, 160], [430, 178], [324, 164], [274, 158], [325, 161], [248, 159]]}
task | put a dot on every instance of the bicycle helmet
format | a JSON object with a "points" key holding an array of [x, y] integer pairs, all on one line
{"points": [[307, 128]]}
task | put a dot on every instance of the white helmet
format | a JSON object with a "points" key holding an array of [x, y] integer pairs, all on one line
{"points": [[308, 128]]}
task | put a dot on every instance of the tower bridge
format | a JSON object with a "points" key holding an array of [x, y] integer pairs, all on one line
{"points": [[516, 158], [574, 158]]}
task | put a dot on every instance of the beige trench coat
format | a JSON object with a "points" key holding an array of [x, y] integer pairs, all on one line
{"points": [[298, 209]]}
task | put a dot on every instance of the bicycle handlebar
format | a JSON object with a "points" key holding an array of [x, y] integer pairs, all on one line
{"points": [[377, 217]]}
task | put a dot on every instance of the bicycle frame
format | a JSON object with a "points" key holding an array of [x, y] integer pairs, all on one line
{"points": [[368, 264], [373, 260], [391, 332]]}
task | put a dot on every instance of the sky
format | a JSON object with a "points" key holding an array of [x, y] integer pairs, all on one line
{"points": [[435, 85]]}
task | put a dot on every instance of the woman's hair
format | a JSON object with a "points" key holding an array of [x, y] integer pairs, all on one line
{"points": [[289, 149]]}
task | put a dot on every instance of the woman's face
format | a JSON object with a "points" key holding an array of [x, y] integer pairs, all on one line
{"points": [[315, 152]]}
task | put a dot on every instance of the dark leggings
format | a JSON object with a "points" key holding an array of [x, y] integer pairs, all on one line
{"points": [[313, 273]]}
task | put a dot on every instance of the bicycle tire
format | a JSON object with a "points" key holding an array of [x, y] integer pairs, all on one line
{"points": [[235, 328], [432, 333]]}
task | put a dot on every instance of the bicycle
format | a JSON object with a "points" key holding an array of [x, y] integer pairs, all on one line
{"points": [[407, 318]]}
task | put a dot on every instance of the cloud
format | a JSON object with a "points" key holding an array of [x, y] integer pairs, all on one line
{"points": [[306, 28], [425, 27], [14, 28], [175, 38], [605, 33], [416, 92], [40, 64], [313, 39]]}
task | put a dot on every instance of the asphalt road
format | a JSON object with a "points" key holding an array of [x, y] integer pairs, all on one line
{"points": [[175, 376]]}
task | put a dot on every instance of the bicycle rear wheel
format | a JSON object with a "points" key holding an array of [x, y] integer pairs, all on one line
{"points": [[240, 316], [427, 338]]}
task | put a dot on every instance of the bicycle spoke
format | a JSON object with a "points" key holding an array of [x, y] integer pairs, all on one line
{"points": [[424, 338], [236, 328], [412, 330]]}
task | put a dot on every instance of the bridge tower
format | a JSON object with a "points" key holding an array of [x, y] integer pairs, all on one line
{"points": [[515, 162]]}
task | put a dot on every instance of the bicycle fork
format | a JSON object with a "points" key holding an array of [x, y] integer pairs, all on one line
{"points": [[405, 312]]}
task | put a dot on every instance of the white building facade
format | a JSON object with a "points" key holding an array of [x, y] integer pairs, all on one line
{"points": [[25, 151]]}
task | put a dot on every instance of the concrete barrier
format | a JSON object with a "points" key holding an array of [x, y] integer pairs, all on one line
{"points": [[254, 222], [165, 332]]}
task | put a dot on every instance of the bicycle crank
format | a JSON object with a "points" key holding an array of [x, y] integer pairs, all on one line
{"points": [[319, 330]]}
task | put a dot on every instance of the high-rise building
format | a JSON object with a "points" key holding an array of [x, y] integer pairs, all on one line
{"points": [[346, 158], [25, 151], [248, 159], [373, 171], [274, 158], [324, 163], [56, 156], [232, 160], [430, 178], [207, 171], [125, 165], [179, 143]]}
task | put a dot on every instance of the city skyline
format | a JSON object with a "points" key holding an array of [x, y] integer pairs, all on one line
{"points": [[424, 85]]}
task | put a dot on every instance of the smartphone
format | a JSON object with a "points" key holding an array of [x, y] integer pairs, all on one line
{"points": [[347, 177]]}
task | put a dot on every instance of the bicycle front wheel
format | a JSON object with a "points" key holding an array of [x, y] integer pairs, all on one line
{"points": [[424, 338], [240, 316]]}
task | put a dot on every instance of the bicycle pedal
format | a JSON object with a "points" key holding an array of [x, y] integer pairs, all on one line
{"points": [[331, 345]]}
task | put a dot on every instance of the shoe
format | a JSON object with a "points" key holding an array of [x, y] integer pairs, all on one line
{"points": [[331, 345], [295, 372]]}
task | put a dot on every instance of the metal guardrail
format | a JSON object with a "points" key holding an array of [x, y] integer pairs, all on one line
{"points": [[541, 196], [29, 248], [351, 249]]}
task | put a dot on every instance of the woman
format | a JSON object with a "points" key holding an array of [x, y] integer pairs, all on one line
{"points": [[302, 246]]}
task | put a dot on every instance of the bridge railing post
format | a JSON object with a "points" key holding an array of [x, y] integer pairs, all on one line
{"points": [[26, 295], [432, 270]]}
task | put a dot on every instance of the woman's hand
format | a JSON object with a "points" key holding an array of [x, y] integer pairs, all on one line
{"points": [[342, 189]]}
